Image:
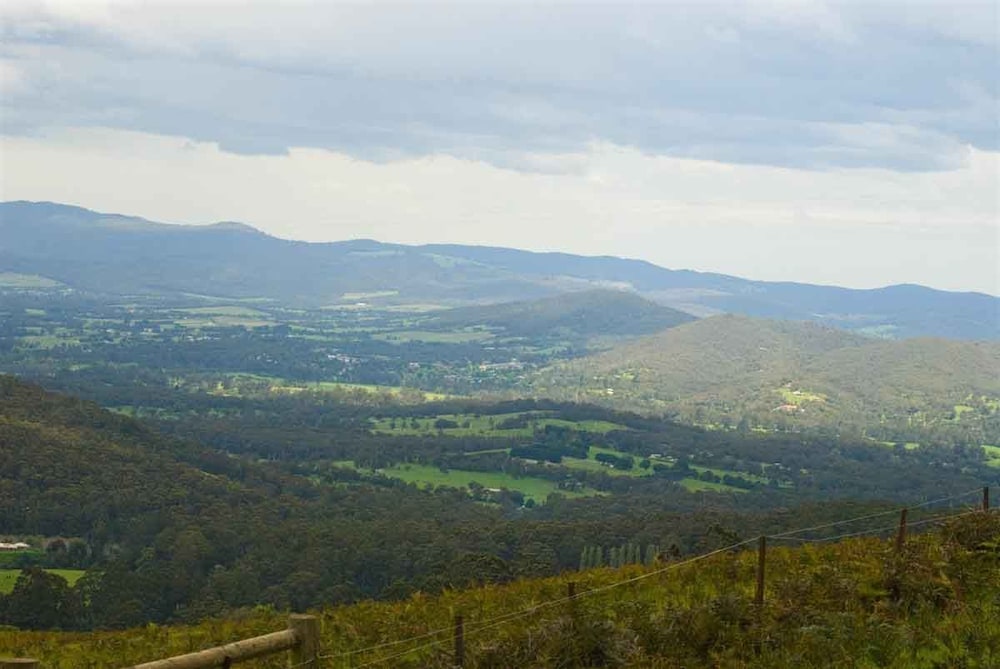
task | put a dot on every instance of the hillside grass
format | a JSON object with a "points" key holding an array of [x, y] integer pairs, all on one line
{"points": [[855, 603], [8, 577]]}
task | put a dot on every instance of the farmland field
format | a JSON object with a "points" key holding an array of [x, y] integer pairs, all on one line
{"points": [[697, 485], [8, 577], [486, 425], [428, 475], [992, 455]]}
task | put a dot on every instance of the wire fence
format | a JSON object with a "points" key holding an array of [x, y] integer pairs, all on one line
{"points": [[437, 637], [484, 625]]}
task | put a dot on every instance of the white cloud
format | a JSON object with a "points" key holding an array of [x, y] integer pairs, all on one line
{"points": [[793, 82]]}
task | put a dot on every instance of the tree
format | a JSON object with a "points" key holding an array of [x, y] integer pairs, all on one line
{"points": [[41, 600]]}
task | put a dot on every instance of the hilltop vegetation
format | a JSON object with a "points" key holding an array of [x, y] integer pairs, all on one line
{"points": [[856, 603], [732, 371]]}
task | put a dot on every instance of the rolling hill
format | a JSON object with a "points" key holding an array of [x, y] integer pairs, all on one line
{"points": [[792, 375], [107, 253], [589, 313]]}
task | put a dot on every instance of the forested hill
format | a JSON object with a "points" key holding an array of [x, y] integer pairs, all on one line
{"points": [[588, 313], [105, 253], [732, 369]]}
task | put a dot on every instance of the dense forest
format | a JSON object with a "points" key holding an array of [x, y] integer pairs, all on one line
{"points": [[247, 503]]}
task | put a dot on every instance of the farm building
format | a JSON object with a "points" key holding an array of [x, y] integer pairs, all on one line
{"points": [[16, 546]]}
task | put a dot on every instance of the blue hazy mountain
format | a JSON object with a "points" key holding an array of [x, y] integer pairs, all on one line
{"points": [[110, 253]]}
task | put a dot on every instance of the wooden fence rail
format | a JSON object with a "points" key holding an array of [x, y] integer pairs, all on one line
{"points": [[301, 637]]}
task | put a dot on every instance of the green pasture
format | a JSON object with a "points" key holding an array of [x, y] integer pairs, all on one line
{"points": [[430, 476], [434, 337], [799, 397], [697, 485], [369, 296], [48, 341], [718, 471], [26, 281], [992, 455], [227, 310], [278, 385], [8, 577], [962, 409], [485, 425]]}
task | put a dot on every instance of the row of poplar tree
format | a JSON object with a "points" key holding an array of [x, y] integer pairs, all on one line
{"points": [[618, 556]]}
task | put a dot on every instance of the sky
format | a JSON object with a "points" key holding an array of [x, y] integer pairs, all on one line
{"points": [[849, 143]]}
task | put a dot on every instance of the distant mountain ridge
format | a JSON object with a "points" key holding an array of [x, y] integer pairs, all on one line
{"points": [[110, 253]]}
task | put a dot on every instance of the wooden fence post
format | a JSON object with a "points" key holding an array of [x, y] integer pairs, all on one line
{"points": [[571, 604], [306, 653], [901, 533], [18, 663], [761, 559], [459, 640], [986, 498]]}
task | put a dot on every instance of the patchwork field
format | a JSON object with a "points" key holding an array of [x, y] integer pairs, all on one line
{"points": [[536, 489]]}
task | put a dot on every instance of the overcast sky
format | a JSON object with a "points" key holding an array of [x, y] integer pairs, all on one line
{"points": [[830, 142]]}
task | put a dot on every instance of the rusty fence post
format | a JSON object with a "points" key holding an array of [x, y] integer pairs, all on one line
{"points": [[761, 562], [901, 533], [986, 498], [459, 640]]}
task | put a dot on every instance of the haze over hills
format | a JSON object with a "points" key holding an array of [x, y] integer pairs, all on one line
{"points": [[105, 253], [791, 375]]}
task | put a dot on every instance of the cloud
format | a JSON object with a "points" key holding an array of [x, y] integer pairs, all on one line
{"points": [[800, 84], [859, 227]]}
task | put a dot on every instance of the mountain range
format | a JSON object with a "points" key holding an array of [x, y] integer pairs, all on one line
{"points": [[123, 255]]}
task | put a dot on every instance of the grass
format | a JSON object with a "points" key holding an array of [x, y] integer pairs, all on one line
{"points": [[428, 475], [26, 281], [278, 385], [430, 337], [799, 397], [8, 577], [992, 455], [227, 310], [697, 485], [369, 296], [486, 425], [963, 409], [723, 472], [49, 341], [221, 321], [826, 606]]}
